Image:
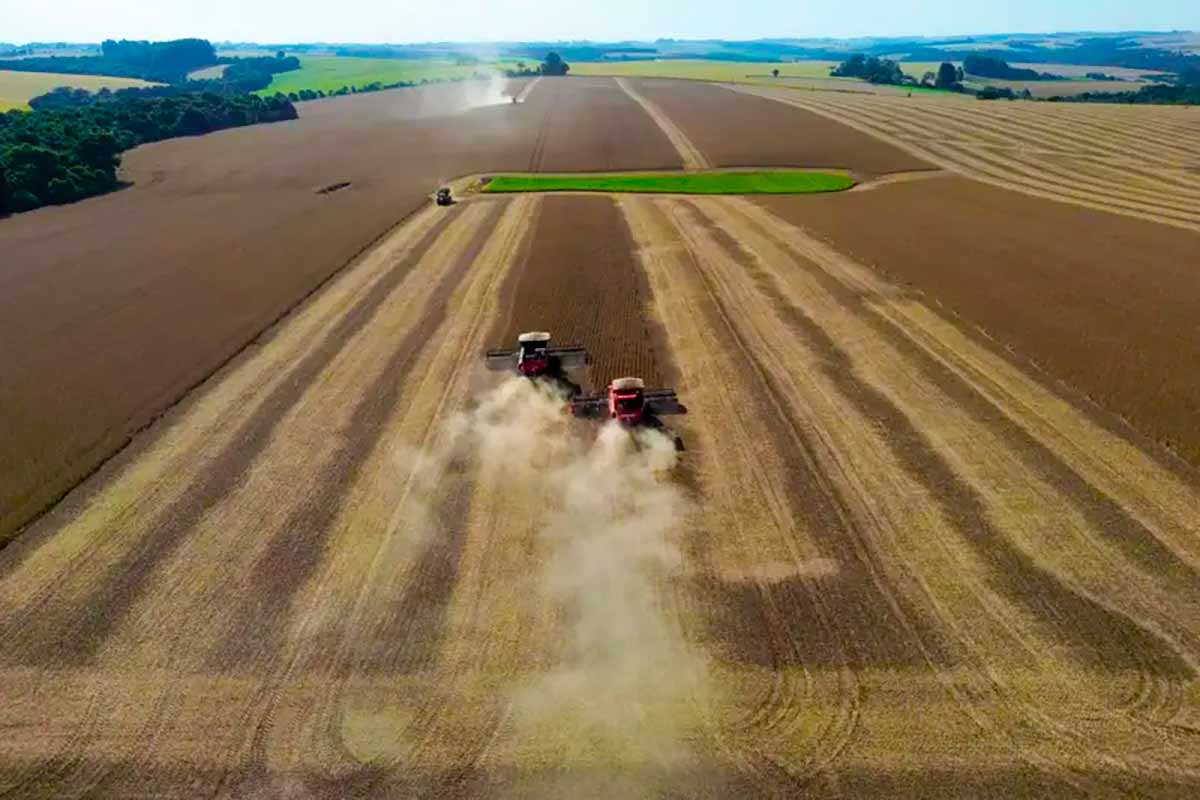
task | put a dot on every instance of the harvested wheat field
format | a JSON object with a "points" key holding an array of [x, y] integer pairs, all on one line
{"points": [[146, 291], [1139, 161], [891, 560]]}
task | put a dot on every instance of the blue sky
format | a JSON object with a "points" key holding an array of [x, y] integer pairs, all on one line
{"points": [[507, 20]]}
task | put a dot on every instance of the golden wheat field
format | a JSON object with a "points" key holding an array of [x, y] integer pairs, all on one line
{"points": [[883, 557], [1142, 161]]}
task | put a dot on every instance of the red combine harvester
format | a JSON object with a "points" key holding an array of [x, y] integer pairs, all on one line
{"points": [[628, 402], [535, 358]]}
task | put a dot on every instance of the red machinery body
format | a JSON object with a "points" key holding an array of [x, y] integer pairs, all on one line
{"points": [[536, 358], [627, 401]]}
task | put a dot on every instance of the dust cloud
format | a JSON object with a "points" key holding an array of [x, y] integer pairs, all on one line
{"points": [[484, 90], [487, 91], [611, 711]]}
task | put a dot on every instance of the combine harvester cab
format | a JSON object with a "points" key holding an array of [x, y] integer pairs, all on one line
{"points": [[536, 358], [628, 402]]}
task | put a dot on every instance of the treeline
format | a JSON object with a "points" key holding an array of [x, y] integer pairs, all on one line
{"points": [[60, 156], [1185, 92], [992, 67], [241, 77], [552, 64], [161, 62], [873, 69], [886, 71]]}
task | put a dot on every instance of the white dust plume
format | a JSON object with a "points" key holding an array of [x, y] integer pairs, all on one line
{"points": [[614, 709], [612, 712], [487, 91]]}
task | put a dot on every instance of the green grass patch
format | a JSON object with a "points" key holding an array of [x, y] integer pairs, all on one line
{"points": [[765, 182], [330, 73]]}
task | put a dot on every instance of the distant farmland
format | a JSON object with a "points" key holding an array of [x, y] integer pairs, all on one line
{"points": [[732, 71], [330, 73], [815, 75], [17, 88]]}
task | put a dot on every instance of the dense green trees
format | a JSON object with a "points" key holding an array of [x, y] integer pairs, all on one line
{"points": [[996, 93], [1157, 94], [165, 62], [60, 156], [554, 65], [947, 77], [875, 70], [242, 76], [992, 67]]}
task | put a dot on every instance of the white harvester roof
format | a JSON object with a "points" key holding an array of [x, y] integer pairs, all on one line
{"points": [[533, 336], [628, 383]]}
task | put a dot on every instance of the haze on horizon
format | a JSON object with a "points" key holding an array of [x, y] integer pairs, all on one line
{"points": [[404, 21]]}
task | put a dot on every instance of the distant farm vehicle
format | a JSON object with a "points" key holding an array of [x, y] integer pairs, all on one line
{"points": [[444, 197], [535, 358]]}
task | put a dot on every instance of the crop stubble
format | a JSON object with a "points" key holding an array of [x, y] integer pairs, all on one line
{"points": [[1132, 160], [1106, 303], [912, 568], [145, 292], [994, 537]]}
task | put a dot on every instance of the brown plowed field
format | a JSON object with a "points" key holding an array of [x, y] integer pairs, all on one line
{"points": [[1107, 303], [736, 130], [892, 561], [1137, 161], [147, 291], [593, 116]]}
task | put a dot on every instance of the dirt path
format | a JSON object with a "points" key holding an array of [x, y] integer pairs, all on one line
{"points": [[691, 155]]}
